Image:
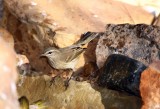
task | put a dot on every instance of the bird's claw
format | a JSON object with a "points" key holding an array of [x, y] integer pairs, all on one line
{"points": [[66, 83], [52, 81]]}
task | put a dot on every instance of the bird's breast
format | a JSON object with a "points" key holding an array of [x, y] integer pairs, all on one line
{"points": [[62, 65]]}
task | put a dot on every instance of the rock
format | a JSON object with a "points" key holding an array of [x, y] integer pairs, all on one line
{"points": [[26, 44], [90, 69], [8, 77], [117, 100], [7, 37], [43, 18], [140, 42], [89, 73], [76, 16], [68, 38], [30, 12], [24, 67], [21, 59], [79, 95], [149, 86], [34, 23], [121, 73], [1, 9]]}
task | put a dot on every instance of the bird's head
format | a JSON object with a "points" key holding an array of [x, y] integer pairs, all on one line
{"points": [[51, 52]]}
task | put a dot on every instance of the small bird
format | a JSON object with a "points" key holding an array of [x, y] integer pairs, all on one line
{"points": [[67, 57]]}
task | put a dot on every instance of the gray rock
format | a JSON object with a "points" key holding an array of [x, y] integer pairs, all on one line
{"points": [[140, 42]]}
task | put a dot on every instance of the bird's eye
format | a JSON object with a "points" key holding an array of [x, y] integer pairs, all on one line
{"points": [[50, 52]]}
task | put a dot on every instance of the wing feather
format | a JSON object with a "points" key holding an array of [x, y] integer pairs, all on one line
{"points": [[71, 53]]}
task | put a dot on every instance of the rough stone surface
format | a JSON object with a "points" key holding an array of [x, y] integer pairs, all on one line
{"points": [[21, 59], [42, 17], [79, 95], [118, 100], [33, 24], [81, 17], [26, 43], [76, 16], [7, 37], [8, 76], [140, 42], [149, 86]]}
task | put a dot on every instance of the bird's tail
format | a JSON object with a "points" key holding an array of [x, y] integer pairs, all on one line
{"points": [[86, 38]]}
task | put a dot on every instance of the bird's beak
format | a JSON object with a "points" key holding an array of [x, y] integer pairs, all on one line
{"points": [[42, 55]]}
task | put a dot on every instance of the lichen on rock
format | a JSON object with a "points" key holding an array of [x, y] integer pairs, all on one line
{"points": [[140, 42]]}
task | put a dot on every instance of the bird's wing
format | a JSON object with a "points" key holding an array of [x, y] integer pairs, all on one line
{"points": [[72, 53]]}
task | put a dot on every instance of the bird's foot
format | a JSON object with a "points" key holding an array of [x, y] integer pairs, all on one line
{"points": [[66, 83], [52, 81]]}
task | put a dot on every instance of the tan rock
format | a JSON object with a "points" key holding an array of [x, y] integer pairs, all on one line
{"points": [[68, 39], [149, 86], [21, 59], [8, 76], [68, 18], [7, 37], [76, 17], [79, 95]]}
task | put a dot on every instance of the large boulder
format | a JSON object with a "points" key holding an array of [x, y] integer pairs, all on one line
{"points": [[140, 42]]}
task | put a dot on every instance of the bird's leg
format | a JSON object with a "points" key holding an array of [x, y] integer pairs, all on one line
{"points": [[53, 78], [66, 82]]}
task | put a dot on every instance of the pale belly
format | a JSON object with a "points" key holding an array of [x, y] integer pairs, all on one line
{"points": [[63, 65]]}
